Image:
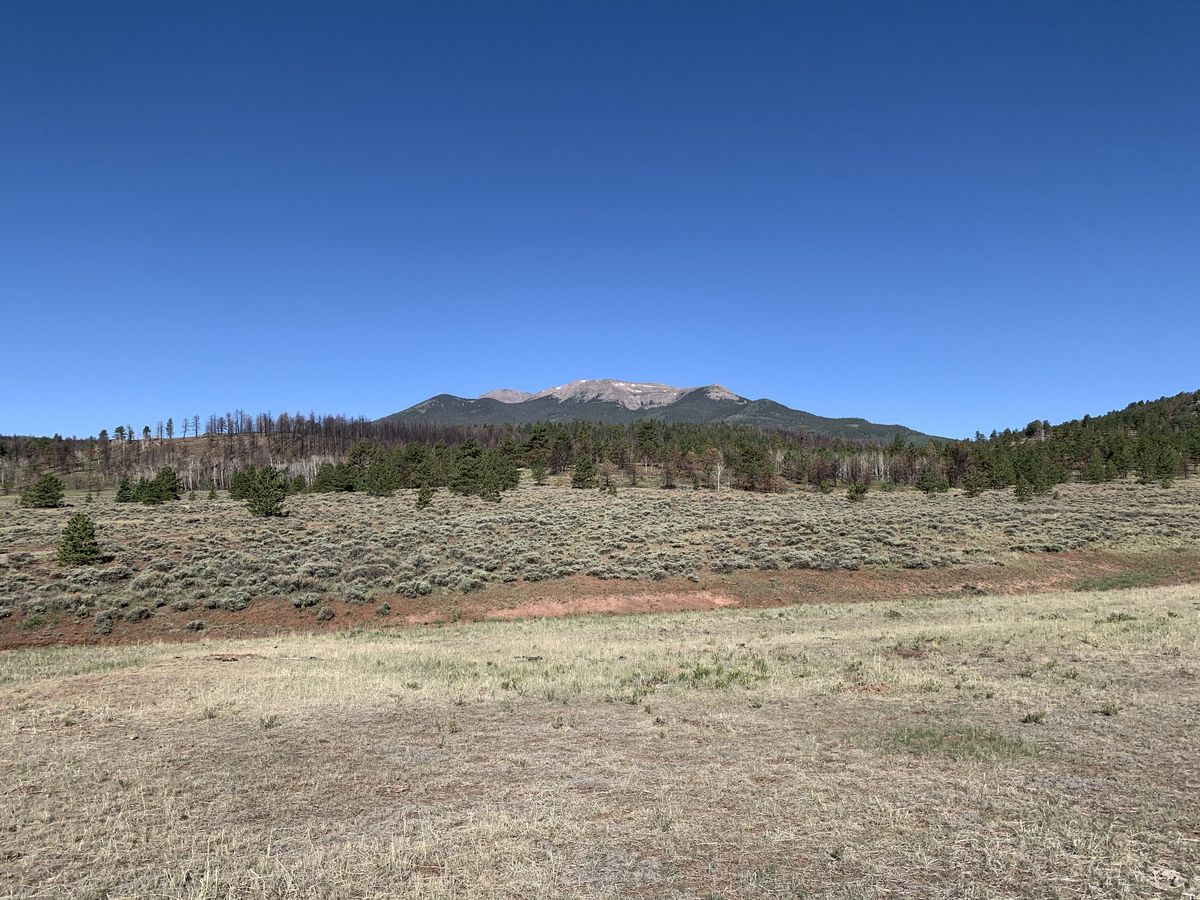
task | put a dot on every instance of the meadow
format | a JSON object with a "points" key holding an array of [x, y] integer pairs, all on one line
{"points": [[1039, 745]]}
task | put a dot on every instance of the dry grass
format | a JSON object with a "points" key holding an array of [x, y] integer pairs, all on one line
{"points": [[1040, 745], [355, 548]]}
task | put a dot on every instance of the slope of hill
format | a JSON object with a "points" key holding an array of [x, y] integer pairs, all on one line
{"points": [[607, 400]]}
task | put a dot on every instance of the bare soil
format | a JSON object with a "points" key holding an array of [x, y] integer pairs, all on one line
{"points": [[583, 595]]}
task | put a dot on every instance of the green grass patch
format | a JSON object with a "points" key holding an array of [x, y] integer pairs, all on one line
{"points": [[962, 742], [1133, 579]]}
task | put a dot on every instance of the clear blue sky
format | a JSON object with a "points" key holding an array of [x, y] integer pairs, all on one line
{"points": [[950, 215]]}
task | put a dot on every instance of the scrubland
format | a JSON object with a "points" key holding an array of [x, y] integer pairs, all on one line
{"points": [[212, 554], [1038, 745]]}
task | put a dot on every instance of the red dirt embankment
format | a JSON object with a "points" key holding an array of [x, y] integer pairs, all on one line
{"points": [[583, 595]]}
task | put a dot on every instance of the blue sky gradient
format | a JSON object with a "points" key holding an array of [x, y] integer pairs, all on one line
{"points": [[953, 216]]}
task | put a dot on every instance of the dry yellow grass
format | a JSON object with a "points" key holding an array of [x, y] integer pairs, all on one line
{"points": [[1040, 745]]}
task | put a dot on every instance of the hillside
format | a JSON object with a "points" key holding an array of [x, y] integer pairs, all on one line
{"points": [[618, 402]]}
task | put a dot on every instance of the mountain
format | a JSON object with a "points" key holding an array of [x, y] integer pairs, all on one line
{"points": [[606, 400]]}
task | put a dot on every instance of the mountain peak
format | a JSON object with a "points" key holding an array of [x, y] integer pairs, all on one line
{"points": [[614, 401], [632, 395], [506, 395]]}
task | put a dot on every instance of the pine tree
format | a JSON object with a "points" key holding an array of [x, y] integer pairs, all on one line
{"points": [[239, 484], [537, 466], [468, 464], [124, 490], [932, 481], [267, 488], [974, 482], [857, 492], [143, 492], [78, 546], [1097, 468], [166, 484], [489, 488], [1024, 490], [381, 477], [45, 493], [212, 492], [424, 495], [584, 475]]}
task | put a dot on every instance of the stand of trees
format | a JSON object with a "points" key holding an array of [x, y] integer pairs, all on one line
{"points": [[1156, 441]]}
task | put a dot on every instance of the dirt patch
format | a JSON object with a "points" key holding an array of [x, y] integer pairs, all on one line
{"points": [[583, 595]]}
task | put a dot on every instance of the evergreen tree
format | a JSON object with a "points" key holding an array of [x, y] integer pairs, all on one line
{"points": [[857, 492], [161, 488], [507, 469], [166, 482], [1023, 490], [266, 490], [143, 492], [584, 475], [381, 477], [424, 495], [537, 466], [45, 493], [974, 482], [78, 546], [212, 492], [468, 469], [239, 484], [1097, 468], [489, 487], [334, 478], [932, 481]]}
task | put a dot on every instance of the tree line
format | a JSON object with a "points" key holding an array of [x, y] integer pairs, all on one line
{"points": [[1156, 441]]}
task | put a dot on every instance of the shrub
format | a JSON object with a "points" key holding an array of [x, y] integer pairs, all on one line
{"points": [[45, 493], [78, 546], [856, 492], [105, 620]]}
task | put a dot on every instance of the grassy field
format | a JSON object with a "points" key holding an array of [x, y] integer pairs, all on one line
{"points": [[1039, 745], [198, 555]]}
